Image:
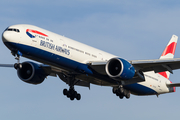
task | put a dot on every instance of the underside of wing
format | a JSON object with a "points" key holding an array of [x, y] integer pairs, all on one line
{"points": [[156, 65], [100, 67], [63, 75]]}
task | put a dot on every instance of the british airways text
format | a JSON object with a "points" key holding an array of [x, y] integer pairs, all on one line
{"points": [[54, 47]]}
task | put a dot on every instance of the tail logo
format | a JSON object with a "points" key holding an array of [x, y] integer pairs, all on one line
{"points": [[169, 53], [170, 49]]}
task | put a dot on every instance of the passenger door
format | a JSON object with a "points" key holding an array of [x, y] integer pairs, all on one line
{"points": [[34, 41]]}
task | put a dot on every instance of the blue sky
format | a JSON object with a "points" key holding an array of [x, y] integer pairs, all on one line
{"points": [[134, 29]]}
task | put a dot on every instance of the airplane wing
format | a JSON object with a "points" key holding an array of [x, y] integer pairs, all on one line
{"points": [[54, 72], [157, 65]]}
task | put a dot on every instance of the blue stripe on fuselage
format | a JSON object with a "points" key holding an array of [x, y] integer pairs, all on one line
{"points": [[44, 56], [140, 89], [68, 64], [30, 35]]}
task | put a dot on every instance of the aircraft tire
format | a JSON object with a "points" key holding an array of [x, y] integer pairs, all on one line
{"points": [[125, 92], [128, 95], [78, 96], [114, 90], [121, 96], [121, 90], [68, 94], [72, 98], [65, 91]]}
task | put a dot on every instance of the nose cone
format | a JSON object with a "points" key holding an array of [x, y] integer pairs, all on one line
{"points": [[8, 40], [6, 36]]}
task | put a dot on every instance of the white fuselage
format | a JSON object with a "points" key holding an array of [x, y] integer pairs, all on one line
{"points": [[59, 47]]}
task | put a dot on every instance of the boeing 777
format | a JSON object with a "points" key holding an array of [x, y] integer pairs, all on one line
{"points": [[78, 64]]}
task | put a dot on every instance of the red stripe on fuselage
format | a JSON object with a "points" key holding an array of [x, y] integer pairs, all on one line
{"points": [[37, 32], [170, 49]]}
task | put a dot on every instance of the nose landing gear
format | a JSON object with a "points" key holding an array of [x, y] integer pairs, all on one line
{"points": [[17, 57]]}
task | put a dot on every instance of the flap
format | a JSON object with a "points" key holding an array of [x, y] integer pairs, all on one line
{"points": [[98, 66]]}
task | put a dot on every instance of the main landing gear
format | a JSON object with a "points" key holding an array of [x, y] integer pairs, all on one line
{"points": [[71, 93], [121, 92]]}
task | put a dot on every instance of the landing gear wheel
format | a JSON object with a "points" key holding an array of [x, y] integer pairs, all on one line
{"points": [[121, 96], [128, 95], [121, 90], [72, 98], [114, 90], [65, 91], [17, 65], [78, 97], [17, 55], [117, 94], [125, 92], [68, 94], [75, 94], [72, 94]]}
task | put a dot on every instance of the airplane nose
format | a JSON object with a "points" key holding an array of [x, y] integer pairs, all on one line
{"points": [[6, 36]]}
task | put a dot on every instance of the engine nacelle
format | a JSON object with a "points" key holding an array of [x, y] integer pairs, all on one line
{"points": [[120, 68], [32, 73]]}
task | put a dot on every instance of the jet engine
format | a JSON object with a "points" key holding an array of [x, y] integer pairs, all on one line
{"points": [[30, 72], [119, 68]]}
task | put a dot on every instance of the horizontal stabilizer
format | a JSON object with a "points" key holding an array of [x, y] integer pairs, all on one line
{"points": [[6, 65], [173, 85]]}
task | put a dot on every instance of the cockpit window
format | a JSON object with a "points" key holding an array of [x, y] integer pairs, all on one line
{"points": [[12, 29]]}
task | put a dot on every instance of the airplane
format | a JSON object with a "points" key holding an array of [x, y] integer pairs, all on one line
{"points": [[78, 64]]}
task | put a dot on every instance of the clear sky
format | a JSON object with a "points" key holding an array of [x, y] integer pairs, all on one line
{"points": [[133, 29]]}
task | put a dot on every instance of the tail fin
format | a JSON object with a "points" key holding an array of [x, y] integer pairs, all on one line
{"points": [[169, 53]]}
